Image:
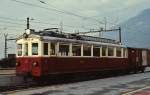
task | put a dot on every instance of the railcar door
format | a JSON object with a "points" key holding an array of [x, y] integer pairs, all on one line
{"points": [[134, 58], [148, 57], [144, 58]]}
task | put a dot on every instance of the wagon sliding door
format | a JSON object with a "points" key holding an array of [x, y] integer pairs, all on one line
{"points": [[135, 58], [144, 58]]}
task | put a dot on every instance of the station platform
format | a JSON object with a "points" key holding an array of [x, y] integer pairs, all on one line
{"points": [[8, 77], [8, 71]]}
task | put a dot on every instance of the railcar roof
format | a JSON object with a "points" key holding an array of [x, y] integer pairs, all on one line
{"points": [[54, 36], [47, 38]]}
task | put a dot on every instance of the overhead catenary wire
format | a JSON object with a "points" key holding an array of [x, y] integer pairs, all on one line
{"points": [[13, 21], [8, 18], [49, 9], [4, 21], [43, 2], [58, 11], [11, 27], [52, 9]]}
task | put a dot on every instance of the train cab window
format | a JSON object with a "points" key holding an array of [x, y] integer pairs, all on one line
{"points": [[34, 48], [26, 50], [45, 48], [118, 52], [76, 50], [19, 49], [110, 51], [104, 50], [96, 51], [53, 50], [63, 49], [86, 50]]}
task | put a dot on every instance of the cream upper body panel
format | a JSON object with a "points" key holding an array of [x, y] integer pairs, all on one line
{"points": [[40, 40], [29, 41]]}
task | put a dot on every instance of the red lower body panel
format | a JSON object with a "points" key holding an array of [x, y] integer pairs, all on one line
{"points": [[25, 66], [61, 65]]}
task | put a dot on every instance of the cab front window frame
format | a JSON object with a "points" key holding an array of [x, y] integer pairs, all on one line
{"points": [[19, 50], [35, 47]]}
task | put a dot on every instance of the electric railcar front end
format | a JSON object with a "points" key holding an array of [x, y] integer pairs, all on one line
{"points": [[28, 56]]}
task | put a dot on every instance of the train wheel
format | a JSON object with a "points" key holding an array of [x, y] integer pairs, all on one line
{"points": [[135, 71], [143, 70]]}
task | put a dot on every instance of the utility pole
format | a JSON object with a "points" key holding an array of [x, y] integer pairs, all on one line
{"points": [[105, 20], [61, 27], [6, 47], [28, 23], [119, 34], [105, 28]]}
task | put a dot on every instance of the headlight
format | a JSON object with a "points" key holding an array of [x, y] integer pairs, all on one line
{"points": [[17, 64], [35, 64]]}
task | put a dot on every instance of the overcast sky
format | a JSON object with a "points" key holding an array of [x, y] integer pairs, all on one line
{"points": [[75, 15], [81, 14]]}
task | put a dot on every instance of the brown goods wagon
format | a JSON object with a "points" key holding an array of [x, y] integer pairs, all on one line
{"points": [[148, 57]]}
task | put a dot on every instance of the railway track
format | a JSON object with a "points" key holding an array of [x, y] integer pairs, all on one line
{"points": [[32, 84], [16, 87]]}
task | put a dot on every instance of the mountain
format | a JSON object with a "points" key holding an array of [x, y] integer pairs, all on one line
{"points": [[136, 30]]}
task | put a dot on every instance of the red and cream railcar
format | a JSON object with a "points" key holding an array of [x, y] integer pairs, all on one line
{"points": [[50, 53]]}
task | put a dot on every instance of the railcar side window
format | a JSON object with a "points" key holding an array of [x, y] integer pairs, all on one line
{"points": [[19, 49], [104, 48], [76, 50], [125, 54], [26, 50], [63, 49], [96, 51], [86, 50], [34, 48], [53, 50], [118, 52], [110, 51], [45, 48]]}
